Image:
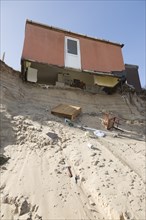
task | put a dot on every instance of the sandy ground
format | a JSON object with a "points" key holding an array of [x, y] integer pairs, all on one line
{"points": [[35, 182]]}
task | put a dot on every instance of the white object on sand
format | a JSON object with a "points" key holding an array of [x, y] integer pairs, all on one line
{"points": [[90, 145], [99, 133]]}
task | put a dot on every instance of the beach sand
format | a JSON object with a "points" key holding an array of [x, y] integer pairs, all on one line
{"points": [[35, 181]]}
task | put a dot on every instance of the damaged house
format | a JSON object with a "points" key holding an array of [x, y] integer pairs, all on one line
{"points": [[59, 57]]}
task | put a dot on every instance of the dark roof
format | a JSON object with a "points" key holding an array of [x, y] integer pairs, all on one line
{"points": [[70, 32]]}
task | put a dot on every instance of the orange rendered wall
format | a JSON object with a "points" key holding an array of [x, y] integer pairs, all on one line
{"points": [[43, 45], [47, 46]]}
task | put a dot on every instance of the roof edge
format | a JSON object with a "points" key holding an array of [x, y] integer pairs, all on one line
{"points": [[70, 32], [131, 66]]}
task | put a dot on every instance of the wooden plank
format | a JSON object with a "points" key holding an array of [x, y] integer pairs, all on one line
{"points": [[67, 111]]}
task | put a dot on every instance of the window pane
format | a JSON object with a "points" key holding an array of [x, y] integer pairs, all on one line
{"points": [[72, 46]]}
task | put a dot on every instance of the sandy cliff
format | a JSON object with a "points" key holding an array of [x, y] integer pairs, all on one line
{"points": [[34, 181]]}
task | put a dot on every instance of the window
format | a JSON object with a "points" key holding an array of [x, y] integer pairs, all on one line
{"points": [[72, 57], [72, 46]]}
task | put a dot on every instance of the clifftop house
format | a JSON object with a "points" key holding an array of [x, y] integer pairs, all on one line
{"points": [[55, 56]]}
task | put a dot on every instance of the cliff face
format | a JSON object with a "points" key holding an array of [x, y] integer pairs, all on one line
{"points": [[35, 183]]}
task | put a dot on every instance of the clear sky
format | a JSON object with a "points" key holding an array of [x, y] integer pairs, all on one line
{"points": [[119, 21]]}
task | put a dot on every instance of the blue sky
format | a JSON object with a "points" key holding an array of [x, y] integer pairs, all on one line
{"points": [[118, 21]]}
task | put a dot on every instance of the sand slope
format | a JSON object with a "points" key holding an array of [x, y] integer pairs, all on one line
{"points": [[35, 183]]}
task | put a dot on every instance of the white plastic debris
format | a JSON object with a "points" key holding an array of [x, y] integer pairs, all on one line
{"points": [[99, 133]]}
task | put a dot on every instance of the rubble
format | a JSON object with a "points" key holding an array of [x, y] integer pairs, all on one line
{"points": [[3, 159]]}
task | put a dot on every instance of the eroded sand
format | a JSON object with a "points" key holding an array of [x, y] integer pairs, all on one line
{"points": [[35, 183]]}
